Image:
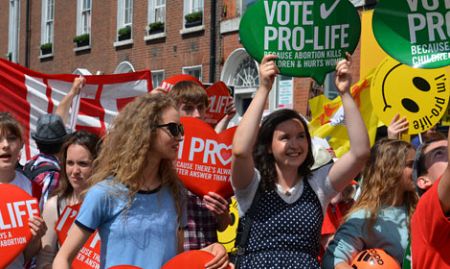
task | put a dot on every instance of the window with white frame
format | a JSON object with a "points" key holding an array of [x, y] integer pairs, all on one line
{"points": [[330, 90], [157, 78], [242, 5], [193, 13], [195, 71], [156, 11], [124, 19], [48, 13], [13, 31], [84, 16]]}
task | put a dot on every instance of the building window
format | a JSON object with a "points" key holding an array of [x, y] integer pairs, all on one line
{"points": [[48, 14], [156, 16], [195, 71], [84, 16], [124, 67], [193, 13], [13, 31], [329, 87], [157, 78], [124, 19], [242, 5], [156, 11]]}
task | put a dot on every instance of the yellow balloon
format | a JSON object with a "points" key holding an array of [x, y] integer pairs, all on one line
{"points": [[420, 95], [228, 237]]}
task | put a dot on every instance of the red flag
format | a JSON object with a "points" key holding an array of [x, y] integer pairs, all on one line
{"points": [[28, 94]]}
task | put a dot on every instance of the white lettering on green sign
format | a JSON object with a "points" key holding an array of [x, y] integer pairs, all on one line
{"points": [[436, 24]]}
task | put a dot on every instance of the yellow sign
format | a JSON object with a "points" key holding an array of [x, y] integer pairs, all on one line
{"points": [[420, 95], [228, 237]]}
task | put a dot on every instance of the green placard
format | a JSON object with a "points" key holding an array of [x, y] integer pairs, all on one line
{"points": [[309, 37], [414, 32]]}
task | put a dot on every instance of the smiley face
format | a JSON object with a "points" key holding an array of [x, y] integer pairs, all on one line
{"points": [[228, 237], [420, 95]]}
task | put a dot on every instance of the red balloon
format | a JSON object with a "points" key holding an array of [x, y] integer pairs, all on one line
{"points": [[194, 259], [374, 259]]}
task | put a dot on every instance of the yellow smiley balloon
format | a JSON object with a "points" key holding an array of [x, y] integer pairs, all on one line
{"points": [[228, 237], [420, 95]]}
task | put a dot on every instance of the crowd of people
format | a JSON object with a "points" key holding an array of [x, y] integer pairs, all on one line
{"points": [[130, 193]]}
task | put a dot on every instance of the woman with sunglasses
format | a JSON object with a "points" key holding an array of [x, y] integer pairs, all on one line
{"points": [[136, 199], [78, 154]]}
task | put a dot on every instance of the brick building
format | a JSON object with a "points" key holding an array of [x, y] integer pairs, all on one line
{"points": [[198, 37]]}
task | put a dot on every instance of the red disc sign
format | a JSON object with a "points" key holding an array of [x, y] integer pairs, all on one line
{"points": [[194, 259], [16, 207], [219, 98], [204, 158]]}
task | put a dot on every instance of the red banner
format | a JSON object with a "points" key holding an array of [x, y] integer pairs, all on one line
{"points": [[28, 94]]}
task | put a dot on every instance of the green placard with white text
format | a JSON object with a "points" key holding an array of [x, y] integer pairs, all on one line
{"points": [[309, 37]]}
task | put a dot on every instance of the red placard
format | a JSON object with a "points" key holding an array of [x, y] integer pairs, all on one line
{"points": [[219, 98], [89, 255], [194, 259], [204, 159], [16, 207]]}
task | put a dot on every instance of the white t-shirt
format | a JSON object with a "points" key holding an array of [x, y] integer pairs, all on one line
{"points": [[25, 184], [318, 180]]}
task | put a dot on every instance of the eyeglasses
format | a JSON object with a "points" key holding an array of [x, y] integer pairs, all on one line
{"points": [[175, 129]]}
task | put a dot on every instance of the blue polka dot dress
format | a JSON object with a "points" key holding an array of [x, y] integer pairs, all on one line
{"points": [[284, 235]]}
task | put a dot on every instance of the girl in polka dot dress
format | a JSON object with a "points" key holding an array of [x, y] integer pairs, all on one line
{"points": [[274, 160]]}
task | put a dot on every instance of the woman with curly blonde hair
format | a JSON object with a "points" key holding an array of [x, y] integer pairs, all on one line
{"points": [[135, 199], [380, 218]]}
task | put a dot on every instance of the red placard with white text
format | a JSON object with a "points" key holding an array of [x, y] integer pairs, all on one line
{"points": [[204, 158], [89, 255], [219, 98], [16, 207]]}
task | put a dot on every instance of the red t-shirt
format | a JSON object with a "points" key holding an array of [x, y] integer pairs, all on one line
{"points": [[430, 233]]}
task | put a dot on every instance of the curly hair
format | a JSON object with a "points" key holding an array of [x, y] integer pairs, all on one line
{"points": [[89, 141], [127, 147], [264, 160], [381, 177]]}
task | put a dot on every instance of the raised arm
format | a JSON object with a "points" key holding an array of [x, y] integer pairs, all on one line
{"points": [[230, 111], [245, 136], [351, 163], [64, 106], [444, 185]]}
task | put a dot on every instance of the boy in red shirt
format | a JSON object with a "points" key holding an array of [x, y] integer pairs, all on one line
{"points": [[430, 224]]}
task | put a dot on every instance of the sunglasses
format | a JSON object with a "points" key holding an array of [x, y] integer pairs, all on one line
{"points": [[175, 129]]}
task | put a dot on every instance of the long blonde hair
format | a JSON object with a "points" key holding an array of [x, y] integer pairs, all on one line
{"points": [[125, 150], [381, 179]]}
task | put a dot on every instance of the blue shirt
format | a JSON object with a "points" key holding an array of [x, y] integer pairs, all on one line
{"points": [[143, 233], [390, 233]]}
